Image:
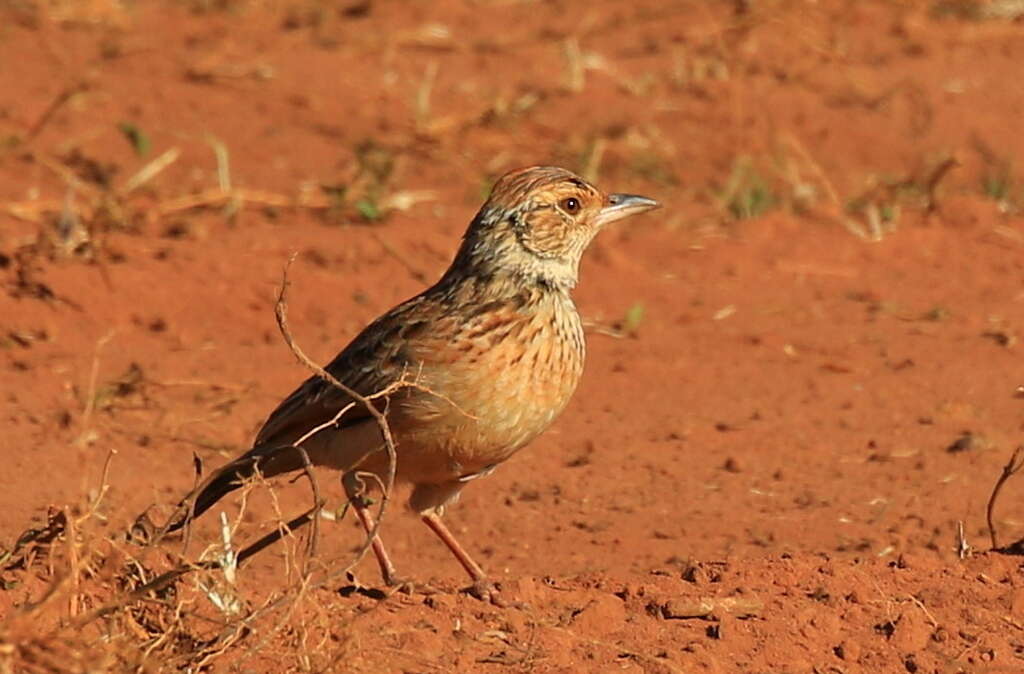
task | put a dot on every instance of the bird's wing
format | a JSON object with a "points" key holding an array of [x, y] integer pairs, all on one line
{"points": [[377, 358]]}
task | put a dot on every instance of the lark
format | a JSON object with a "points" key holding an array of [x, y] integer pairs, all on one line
{"points": [[491, 354]]}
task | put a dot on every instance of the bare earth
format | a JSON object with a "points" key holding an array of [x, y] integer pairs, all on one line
{"points": [[803, 373]]}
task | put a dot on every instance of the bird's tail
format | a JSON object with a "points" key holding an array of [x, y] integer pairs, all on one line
{"points": [[342, 450], [267, 461]]}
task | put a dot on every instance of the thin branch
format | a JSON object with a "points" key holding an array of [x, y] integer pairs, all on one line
{"points": [[56, 104], [935, 178], [94, 373], [927, 613], [281, 312], [103, 488], [318, 501], [1014, 465]]}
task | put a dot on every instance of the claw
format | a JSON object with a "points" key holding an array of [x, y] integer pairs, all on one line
{"points": [[401, 584], [485, 590]]}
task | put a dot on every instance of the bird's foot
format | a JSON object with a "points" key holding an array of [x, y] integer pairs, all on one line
{"points": [[401, 584], [486, 590]]}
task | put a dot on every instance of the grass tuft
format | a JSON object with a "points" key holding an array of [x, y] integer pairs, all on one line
{"points": [[747, 193]]}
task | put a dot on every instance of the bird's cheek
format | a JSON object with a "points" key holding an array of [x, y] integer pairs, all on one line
{"points": [[548, 235]]}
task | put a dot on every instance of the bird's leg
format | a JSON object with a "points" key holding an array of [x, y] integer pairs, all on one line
{"points": [[355, 489], [433, 520], [482, 587]]}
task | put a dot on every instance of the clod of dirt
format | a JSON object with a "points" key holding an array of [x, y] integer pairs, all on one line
{"points": [[911, 632], [1001, 338], [966, 442]]}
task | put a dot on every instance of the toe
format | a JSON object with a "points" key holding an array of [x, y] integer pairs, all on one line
{"points": [[485, 590]]}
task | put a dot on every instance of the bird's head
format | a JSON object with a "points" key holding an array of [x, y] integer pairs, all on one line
{"points": [[538, 221]]}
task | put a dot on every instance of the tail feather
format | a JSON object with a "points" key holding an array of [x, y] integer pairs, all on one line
{"points": [[341, 449], [267, 461]]}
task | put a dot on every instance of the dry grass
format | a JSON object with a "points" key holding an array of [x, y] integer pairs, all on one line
{"points": [[97, 600], [87, 596]]}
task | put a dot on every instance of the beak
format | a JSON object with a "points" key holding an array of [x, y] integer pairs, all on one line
{"points": [[624, 205]]}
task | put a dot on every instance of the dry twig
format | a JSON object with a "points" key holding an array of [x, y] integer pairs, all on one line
{"points": [[281, 312], [318, 501], [59, 101], [963, 548], [1013, 466], [934, 178]]}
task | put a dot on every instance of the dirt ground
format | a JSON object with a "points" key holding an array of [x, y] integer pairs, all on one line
{"points": [[804, 374]]}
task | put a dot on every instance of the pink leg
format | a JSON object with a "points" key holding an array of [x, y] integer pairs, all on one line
{"points": [[482, 588], [356, 492], [387, 569], [433, 520]]}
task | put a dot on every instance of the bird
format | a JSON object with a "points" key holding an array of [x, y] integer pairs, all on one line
{"points": [[474, 367]]}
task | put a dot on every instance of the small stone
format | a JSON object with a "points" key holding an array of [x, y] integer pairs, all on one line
{"points": [[849, 651]]}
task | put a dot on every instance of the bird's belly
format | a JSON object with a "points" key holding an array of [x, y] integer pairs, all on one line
{"points": [[496, 401]]}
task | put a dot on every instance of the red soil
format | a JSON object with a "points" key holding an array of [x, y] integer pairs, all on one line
{"points": [[778, 416]]}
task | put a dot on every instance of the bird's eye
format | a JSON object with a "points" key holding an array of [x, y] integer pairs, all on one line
{"points": [[570, 205]]}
